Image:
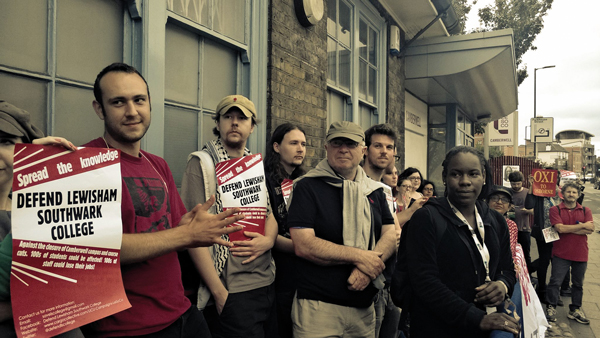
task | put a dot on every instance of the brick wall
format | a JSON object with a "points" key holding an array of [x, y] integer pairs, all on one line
{"points": [[297, 79], [297, 76]]}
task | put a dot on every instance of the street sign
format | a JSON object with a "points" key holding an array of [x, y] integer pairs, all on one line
{"points": [[542, 129]]}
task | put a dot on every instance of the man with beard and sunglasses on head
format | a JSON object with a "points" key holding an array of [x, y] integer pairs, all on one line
{"points": [[380, 142]]}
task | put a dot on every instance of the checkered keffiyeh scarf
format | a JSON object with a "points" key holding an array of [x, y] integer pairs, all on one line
{"points": [[218, 154]]}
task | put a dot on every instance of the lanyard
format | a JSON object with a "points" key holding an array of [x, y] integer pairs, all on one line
{"points": [[483, 250]]}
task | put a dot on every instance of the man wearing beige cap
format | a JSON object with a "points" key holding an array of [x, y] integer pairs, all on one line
{"points": [[342, 227], [238, 292]]}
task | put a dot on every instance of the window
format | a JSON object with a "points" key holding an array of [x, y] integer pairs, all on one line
{"points": [[355, 35], [48, 68], [464, 130], [190, 101], [227, 17]]}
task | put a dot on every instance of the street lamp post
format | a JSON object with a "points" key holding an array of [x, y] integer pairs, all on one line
{"points": [[534, 106]]}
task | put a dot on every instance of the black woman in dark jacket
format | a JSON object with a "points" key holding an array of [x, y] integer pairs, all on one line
{"points": [[446, 259]]}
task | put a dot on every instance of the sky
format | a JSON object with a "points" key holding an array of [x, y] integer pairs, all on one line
{"points": [[570, 92]]}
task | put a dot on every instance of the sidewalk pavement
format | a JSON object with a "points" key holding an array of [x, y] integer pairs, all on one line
{"points": [[565, 327]]}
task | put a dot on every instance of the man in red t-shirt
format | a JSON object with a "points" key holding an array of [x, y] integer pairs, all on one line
{"points": [[573, 222], [155, 222]]}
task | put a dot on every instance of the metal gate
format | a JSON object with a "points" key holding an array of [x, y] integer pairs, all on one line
{"points": [[525, 166]]}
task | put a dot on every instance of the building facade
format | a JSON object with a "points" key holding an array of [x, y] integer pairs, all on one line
{"points": [[431, 86], [581, 151]]}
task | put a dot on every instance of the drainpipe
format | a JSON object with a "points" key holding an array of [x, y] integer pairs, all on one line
{"points": [[451, 19]]}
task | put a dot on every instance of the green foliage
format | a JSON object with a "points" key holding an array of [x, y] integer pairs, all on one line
{"points": [[479, 128], [494, 151], [525, 17], [462, 9]]}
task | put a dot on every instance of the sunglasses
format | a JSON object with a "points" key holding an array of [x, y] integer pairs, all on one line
{"points": [[497, 198], [336, 143]]}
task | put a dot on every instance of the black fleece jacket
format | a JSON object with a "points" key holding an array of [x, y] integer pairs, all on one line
{"points": [[444, 269]]}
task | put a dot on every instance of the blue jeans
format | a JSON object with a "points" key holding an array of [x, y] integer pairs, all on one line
{"points": [[387, 315], [560, 267]]}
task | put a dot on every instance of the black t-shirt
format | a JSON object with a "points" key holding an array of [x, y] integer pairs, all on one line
{"points": [[318, 205], [285, 276]]}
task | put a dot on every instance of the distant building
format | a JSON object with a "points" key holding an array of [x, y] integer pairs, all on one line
{"points": [[553, 154], [580, 148]]}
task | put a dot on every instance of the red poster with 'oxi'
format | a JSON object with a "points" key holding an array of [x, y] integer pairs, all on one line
{"points": [[544, 182]]}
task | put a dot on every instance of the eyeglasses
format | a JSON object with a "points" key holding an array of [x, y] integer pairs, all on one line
{"points": [[497, 198], [427, 189], [416, 178], [336, 143], [406, 186]]}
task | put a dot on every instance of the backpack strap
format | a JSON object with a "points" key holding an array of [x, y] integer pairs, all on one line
{"points": [[208, 174]]}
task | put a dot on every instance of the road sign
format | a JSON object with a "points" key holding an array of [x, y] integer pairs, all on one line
{"points": [[542, 129]]}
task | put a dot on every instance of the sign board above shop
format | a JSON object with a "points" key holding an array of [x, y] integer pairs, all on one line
{"points": [[542, 129], [502, 131]]}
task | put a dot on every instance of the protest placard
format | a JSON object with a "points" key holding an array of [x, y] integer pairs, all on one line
{"points": [[66, 224], [544, 182], [286, 189], [242, 185]]}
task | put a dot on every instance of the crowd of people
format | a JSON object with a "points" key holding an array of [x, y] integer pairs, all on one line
{"points": [[355, 250]]}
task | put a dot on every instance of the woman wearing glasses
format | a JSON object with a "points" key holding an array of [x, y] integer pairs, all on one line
{"points": [[427, 189], [416, 179]]}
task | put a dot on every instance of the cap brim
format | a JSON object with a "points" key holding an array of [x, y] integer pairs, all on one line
{"points": [[8, 127], [244, 110], [353, 137]]}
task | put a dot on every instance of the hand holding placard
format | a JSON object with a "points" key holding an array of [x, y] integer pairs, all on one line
{"points": [[205, 229], [258, 245]]}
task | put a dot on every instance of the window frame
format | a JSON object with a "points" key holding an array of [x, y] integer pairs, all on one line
{"points": [[361, 9], [50, 77]]}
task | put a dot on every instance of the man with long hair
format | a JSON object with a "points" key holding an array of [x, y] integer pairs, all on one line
{"points": [[283, 162]]}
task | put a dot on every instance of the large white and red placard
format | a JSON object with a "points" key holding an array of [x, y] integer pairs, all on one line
{"points": [[242, 185], [67, 231]]}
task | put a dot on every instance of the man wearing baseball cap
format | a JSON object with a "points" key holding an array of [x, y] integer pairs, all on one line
{"points": [[342, 227], [240, 293]]}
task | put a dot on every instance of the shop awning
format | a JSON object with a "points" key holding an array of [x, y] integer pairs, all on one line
{"points": [[415, 15], [476, 71]]}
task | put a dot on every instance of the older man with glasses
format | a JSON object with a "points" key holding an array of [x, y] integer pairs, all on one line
{"points": [[343, 230]]}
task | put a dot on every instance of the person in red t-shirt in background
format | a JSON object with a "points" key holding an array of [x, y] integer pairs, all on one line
{"points": [[574, 223]]}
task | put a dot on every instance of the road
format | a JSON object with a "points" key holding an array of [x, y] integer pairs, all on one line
{"points": [[591, 286]]}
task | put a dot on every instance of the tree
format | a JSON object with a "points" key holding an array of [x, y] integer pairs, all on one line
{"points": [[525, 17], [462, 9], [495, 151]]}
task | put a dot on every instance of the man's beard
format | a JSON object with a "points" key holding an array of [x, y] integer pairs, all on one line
{"points": [[120, 137], [378, 166], [234, 145]]}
